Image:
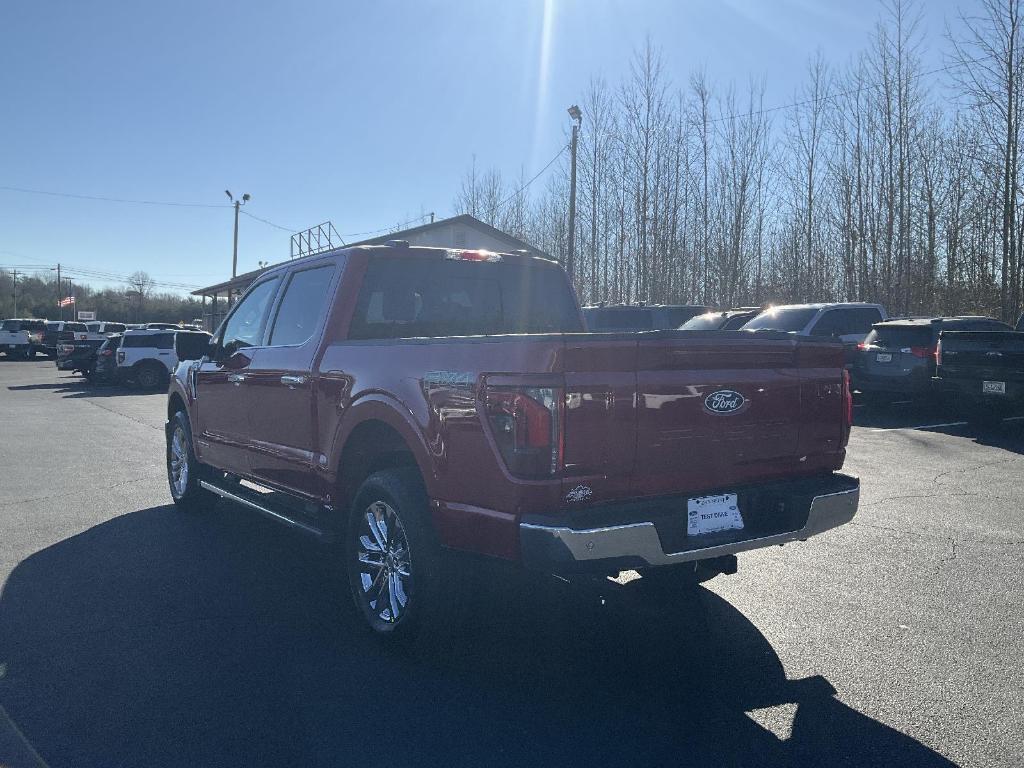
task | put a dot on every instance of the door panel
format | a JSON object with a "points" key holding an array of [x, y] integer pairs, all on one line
{"points": [[221, 414], [282, 422]]}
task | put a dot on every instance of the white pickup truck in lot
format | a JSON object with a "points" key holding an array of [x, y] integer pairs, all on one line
{"points": [[22, 337], [13, 340]]}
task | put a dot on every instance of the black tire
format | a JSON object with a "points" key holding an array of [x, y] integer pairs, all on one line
{"points": [[150, 375], [188, 496], [401, 598]]}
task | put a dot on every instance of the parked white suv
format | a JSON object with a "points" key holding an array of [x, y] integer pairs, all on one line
{"points": [[148, 357]]}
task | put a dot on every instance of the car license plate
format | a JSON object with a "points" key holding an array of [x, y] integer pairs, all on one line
{"points": [[12, 346], [993, 387], [883, 357], [707, 514]]}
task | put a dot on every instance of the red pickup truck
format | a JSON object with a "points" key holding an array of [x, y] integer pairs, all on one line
{"points": [[412, 403]]}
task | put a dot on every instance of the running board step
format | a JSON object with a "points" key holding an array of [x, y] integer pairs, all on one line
{"points": [[240, 496]]}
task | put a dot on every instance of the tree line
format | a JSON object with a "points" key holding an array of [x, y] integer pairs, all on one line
{"points": [[882, 181], [136, 302]]}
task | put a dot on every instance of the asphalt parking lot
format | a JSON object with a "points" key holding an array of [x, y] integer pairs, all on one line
{"points": [[131, 635]]}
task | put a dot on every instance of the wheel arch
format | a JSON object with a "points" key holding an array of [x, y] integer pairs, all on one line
{"points": [[376, 436]]}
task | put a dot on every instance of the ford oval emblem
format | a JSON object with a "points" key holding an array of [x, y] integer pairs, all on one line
{"points": [[724, 401]]}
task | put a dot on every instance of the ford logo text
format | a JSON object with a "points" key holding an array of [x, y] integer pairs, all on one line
{"points": [[724, 401]]}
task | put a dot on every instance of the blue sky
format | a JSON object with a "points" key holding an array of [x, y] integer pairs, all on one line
{"points": [[363, 113]]}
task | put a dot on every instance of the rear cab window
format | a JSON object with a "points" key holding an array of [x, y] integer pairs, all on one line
{"points": [[414, 297]]}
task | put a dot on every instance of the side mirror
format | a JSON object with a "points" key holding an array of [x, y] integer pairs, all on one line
{"points": [[237, 360]]}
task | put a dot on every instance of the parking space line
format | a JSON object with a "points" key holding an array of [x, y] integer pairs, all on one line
{"points": [[927, 426], [15, 749], [919, 426]]}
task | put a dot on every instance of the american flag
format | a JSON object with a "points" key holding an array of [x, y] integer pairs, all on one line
{"points": [[66, 301]]}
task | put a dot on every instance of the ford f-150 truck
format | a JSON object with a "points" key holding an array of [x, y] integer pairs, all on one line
{"points": [[411, 403]]}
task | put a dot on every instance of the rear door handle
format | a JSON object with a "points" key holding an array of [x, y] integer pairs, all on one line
{"points": [[293, 381], [236, 378]]}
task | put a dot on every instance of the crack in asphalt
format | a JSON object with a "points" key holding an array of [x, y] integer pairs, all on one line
{"points": [[940, 537], [76, 492], [119, 413], [949, 559]]}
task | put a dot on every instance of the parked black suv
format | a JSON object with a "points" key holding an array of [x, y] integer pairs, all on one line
{"points": [[602, 318]]}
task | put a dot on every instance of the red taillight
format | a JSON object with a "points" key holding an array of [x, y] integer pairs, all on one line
{"points": [[107, 352], [526, 426], [120, 356], [922, 352], [862, 346]]}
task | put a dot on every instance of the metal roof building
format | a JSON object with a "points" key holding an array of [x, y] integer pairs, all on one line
{"points": [[463, 231]]}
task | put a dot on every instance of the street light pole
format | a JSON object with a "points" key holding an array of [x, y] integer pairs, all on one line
{"points": [[15, 273], [234, 251], [577, 120]]}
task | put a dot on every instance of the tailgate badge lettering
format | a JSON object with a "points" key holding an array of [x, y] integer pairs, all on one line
{"points": [[579, 493], [724, 401]]}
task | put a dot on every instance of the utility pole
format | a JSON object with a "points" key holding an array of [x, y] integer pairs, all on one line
{"points": [[577, 120], [234, 253], [59, 297], [15, 273]]}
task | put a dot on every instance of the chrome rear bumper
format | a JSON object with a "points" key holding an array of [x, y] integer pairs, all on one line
{"points": [[638, 543]]}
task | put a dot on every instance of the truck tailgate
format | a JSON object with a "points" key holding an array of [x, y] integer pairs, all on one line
{"points": [[982, 354], [686, 412]]}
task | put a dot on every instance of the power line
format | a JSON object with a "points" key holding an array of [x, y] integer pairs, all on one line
{"points": [[536, 176], [112, 199], [265, 221]]}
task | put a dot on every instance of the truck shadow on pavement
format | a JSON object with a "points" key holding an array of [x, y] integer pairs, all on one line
{"points": [[163, 639], [77, 388]]}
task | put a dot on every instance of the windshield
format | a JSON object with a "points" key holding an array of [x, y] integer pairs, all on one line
{"points": [[789, 319], [711, 321], [11, 325]]}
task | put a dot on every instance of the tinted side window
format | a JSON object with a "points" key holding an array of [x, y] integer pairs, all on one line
{"points": [[827, 324], [136, 341], [842, 322], [302, 306], [163, 340], [244, 328], [113, 328]]}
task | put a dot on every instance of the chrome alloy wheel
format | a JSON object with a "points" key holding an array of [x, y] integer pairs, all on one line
{"points": [[177, 461], [383, 565]]}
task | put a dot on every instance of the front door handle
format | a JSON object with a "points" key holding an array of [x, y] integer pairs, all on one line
{"points": [[293, 381], [236, 378]]}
